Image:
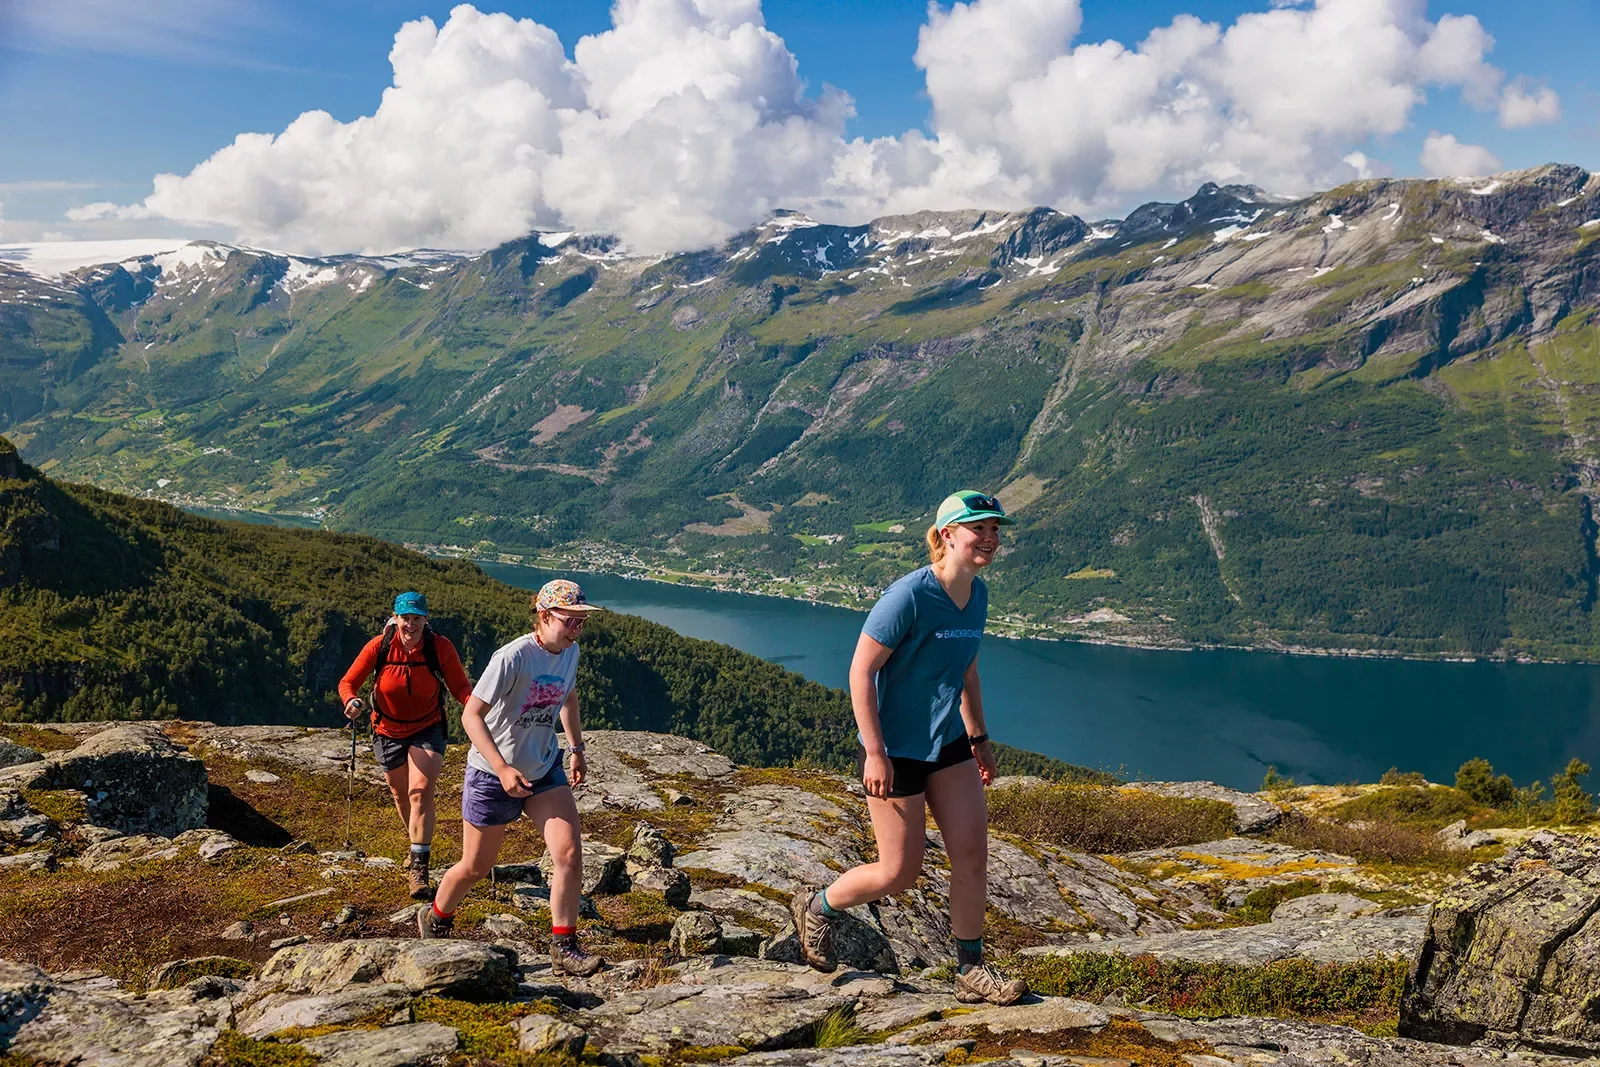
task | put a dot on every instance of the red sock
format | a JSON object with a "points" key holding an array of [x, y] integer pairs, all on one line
{"points": [[441, 914], [562, 931]]}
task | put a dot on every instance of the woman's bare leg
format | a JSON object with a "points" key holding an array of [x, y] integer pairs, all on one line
{"points": [[955, 798], [901, 828]]}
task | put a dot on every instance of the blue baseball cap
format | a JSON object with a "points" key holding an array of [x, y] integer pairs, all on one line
{"points": [[411, 604], [969, 506]]}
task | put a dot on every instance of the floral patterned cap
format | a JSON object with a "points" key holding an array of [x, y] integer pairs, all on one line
{"points": [[564, 595]]}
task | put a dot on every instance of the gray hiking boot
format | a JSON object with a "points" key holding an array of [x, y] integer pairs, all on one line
{"points": [[567, 958], [814, 931], [430, 924], [983, 983]]}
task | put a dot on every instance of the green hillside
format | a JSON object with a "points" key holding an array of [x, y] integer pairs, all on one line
{"points": [[1359, 420], [112, 607]]}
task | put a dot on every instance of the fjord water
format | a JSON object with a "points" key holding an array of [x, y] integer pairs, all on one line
{"points": [[1225, 716]]}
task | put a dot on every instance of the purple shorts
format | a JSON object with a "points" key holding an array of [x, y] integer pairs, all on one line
{"points": [[485, 803]]}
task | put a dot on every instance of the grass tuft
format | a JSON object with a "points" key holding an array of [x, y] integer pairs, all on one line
{"points": [[233, 1049], [837, 1029], [1365, 995], [488, 1031], [1098, 819]]}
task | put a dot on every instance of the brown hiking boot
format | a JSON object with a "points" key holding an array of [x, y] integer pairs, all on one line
{"points": [[983, 983], [417, 878], [814, 932], [567, 958], [430, 924]]}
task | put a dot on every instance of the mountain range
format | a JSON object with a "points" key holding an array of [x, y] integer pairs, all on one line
{"points": [[1359, 420]]}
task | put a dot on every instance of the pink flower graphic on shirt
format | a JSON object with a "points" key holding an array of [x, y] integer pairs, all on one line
{"points": [[544, 697]]}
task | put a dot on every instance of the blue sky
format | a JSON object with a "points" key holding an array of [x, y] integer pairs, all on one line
{"points": [[93, 106]]}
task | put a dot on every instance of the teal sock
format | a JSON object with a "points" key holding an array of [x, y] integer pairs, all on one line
{"points": [[827, 909], [421, 850], [969, 953]]}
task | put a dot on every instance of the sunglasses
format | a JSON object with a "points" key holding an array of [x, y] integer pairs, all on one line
{"points": [[979, 502], [571, 622]]}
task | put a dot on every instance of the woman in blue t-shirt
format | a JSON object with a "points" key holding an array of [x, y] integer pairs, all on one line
{"points": [[919, 709]]}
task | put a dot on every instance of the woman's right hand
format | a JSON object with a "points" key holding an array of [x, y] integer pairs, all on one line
{"points": [[353, 709], [512, 781], [877, 775]]}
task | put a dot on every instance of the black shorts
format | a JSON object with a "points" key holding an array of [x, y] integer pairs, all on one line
{"points": [[391, 751], [911, 775]]}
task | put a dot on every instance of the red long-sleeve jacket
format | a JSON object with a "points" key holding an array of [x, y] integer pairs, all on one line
{"points": [[406, 693]]}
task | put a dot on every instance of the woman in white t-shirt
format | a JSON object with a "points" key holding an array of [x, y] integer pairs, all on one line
{"points": [[514, 769]]}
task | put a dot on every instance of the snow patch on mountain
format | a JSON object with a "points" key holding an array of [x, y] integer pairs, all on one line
{"points": [[50, 260]]}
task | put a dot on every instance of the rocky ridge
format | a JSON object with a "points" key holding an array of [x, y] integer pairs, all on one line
{"points": [[676, 832]]}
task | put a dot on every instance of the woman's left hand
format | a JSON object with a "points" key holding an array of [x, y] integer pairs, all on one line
{"points": [[580, 769], [988, 770]]}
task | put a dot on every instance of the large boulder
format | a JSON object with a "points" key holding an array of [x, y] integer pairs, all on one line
{"points": [[603, 869], [464, 969], [665, 1019], [134, 779], [408, 1045], [48, 1020], [1394, 933], [1512, 953], [280, 1011], [12, 754]]}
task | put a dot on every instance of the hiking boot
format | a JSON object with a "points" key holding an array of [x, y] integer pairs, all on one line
{"points": [[430, 924], [814, 932], [567, 958], [983, 983], [417, 878]]}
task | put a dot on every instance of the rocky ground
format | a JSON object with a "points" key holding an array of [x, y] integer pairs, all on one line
{"points": [[182, 893]]}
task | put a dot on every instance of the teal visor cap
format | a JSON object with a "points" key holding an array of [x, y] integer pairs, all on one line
{"points": [[411, 604], [970, 506]]}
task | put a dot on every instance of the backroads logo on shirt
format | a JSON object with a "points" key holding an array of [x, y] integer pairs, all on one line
{"points": [[957, 634], [544, 697]]}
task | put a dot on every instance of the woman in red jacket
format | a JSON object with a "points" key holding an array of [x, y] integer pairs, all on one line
{"points": [[414, 666]]}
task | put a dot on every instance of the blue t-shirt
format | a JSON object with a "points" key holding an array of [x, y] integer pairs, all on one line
{"points": [[919, 687]]}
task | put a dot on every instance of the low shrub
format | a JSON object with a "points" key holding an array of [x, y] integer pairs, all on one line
{"points": [[233, 1049], [1274, 782], [1570, 802], [1476, 778], [1424, 807], [1365, 994], [1377, 842], [1259, 905], [1395, 776], [1089, 818]]}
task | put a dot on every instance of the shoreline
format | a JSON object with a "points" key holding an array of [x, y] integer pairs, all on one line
{"points": [[710, 583], [627, 565]]}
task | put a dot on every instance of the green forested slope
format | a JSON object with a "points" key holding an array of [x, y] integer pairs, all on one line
{"points": [[1363, 419], [112, 607]]}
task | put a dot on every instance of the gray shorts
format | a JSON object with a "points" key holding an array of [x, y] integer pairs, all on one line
{"points": [[485, 803], [391, 751]]}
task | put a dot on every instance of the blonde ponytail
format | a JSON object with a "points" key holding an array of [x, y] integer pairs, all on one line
{"points": [[936, 546]]}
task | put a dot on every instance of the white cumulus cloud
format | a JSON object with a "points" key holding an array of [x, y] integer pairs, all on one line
{"points": [[689, 119], [1445, 157], [1523, 105]]}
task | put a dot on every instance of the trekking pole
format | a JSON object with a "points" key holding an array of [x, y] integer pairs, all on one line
{"points": [[350, 785]]}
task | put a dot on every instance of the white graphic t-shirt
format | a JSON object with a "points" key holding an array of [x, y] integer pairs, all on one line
{"points": [[525, 687]]}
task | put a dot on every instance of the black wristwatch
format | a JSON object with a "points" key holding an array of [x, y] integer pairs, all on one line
{"points": [[977, 739]]}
